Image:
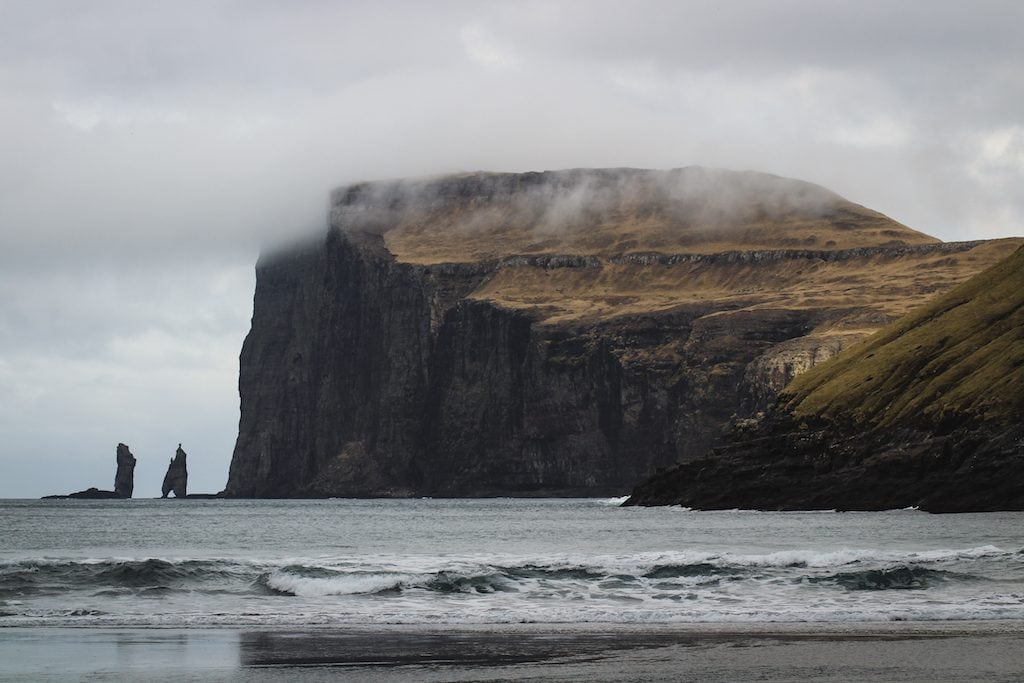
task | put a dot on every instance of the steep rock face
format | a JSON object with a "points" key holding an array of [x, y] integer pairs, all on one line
{"points": [[376, 366], [335, 370], [769, 373], [124, 478], [517, 409], [176, 479], [352, 384], [926, 413]]}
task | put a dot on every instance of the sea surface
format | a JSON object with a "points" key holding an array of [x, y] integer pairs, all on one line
{"points": [[497, 561]]}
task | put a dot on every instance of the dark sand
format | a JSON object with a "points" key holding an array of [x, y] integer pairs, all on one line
{"points": [[989, 651]]}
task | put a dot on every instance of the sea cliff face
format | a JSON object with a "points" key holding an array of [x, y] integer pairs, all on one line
{"points": [[363, 376], [438, 342]]}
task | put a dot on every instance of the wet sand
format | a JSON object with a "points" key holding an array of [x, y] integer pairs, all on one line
{"points": [[988, 651]]}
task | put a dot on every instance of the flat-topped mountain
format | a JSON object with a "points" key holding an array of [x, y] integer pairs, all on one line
{"points": [[556, 333], [928, 412], [608, 212]]}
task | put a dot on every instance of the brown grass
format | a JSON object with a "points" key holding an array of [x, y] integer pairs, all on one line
{"points": [[463, 234], [867, 292], [480, 217]]}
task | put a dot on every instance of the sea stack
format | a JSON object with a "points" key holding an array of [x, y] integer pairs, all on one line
{"points": [[176, 479], [124, 480]]}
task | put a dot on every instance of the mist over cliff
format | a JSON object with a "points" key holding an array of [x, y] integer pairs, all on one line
{"points": [[557, 333], [604, 211]]}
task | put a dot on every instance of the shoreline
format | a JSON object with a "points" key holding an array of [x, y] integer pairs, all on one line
{"points": [[830, 651]]}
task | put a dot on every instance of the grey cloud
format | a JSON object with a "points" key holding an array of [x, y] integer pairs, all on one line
{"points": [[145, 355]]}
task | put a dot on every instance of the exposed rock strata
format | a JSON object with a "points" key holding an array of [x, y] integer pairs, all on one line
{"points": [[176, 479], [547, 362]]}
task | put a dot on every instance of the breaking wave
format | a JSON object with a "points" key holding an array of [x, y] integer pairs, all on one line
{"points": [[981, 582], [110, 575]]}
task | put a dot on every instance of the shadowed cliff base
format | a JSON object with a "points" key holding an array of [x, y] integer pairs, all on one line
{"points": [[926, 413], [561, 333]]}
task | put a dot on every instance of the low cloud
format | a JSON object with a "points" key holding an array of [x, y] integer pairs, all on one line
{"points": [[575, 200]]}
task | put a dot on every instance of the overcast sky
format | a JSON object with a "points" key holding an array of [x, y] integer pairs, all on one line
{"points": [[148, 149]]}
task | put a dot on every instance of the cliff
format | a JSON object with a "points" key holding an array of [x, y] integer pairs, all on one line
{"points": [[561, 333], [926, 413]]}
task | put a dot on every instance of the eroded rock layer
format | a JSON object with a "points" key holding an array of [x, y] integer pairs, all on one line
{"points": [[562, 333]]}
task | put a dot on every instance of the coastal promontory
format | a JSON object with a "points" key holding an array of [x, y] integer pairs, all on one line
{"points": [[556, 333]]}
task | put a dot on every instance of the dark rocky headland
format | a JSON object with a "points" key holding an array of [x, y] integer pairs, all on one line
{"points": [[558, 333], [927, 413]]}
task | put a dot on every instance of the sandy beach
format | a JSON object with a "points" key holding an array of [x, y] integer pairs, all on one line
{"points": [[991, 651]]}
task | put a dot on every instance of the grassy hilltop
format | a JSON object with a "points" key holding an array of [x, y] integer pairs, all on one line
{"points": [[961, 354]]}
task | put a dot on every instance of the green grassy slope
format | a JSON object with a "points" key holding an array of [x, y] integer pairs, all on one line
{"points": [[960, 354]]}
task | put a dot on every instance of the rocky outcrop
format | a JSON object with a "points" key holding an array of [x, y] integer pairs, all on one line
{"points": [[543, 361], [91, 493], [176, 479], [783, 464], [926, 414], [124, 478], [770, 372]]}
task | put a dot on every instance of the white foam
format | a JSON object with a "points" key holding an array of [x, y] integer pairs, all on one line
{"points": [[342, 584]]}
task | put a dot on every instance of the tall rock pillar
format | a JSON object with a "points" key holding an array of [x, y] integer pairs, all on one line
{"points": [[124, 480], [176, 478]]}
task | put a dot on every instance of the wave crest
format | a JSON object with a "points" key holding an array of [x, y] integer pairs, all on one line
{"points": [[902, 577]]}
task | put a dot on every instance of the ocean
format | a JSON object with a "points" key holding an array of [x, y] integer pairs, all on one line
{"points": [[344, 563]]}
